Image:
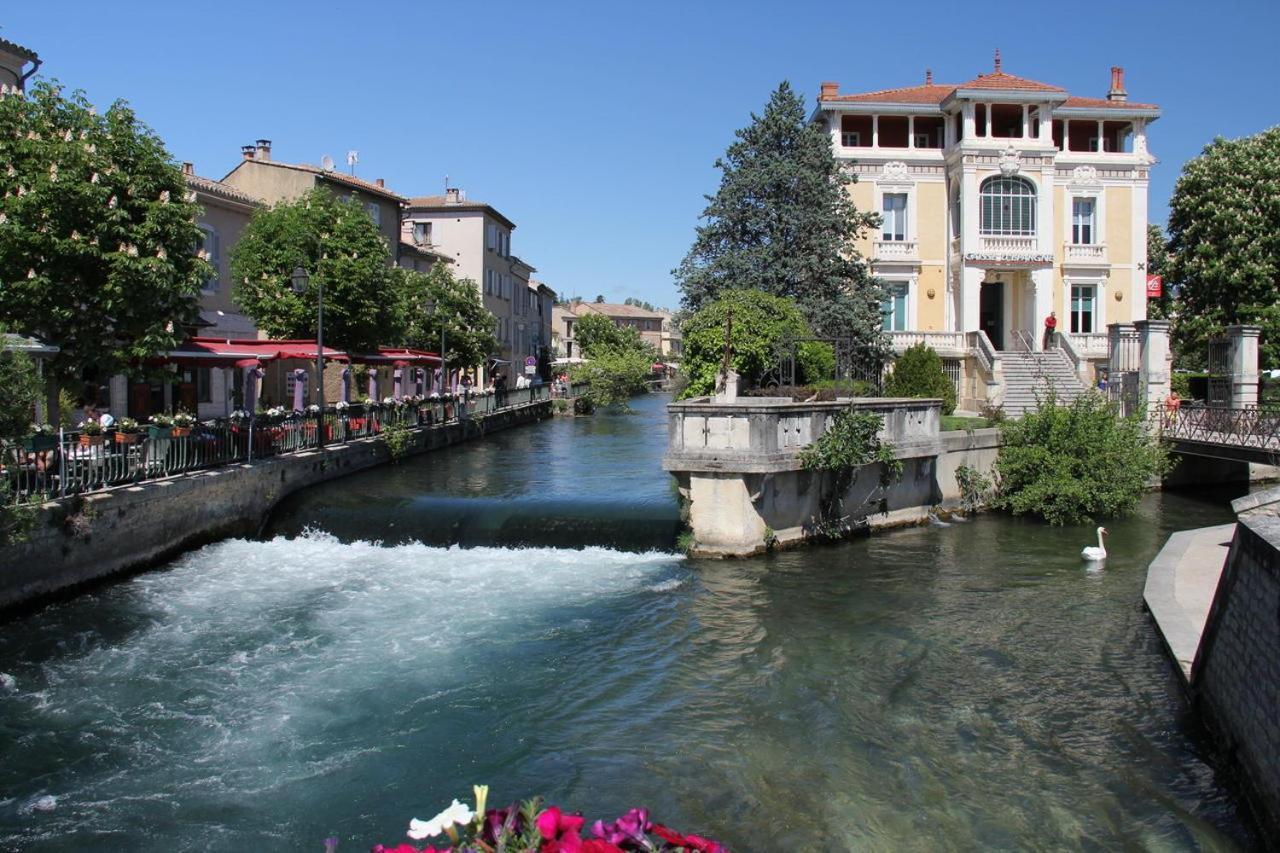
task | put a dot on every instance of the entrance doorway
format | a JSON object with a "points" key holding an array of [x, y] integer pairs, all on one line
{"points": [[991, 312]]}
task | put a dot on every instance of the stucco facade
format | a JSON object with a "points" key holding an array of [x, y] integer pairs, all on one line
{"points": [[270, 181], [1003, 199], [478, 239]]}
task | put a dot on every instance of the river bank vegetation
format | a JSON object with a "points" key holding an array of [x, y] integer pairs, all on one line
{"points": [[1076, 463]]}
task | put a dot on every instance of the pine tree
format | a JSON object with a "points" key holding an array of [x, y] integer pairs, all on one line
{"points": [[782, 222]]}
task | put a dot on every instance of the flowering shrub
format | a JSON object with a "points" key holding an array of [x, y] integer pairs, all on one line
{"points": [[528, 828], [126, 425], [44, 429], [184, 419], [161, 420], [91, 427]]}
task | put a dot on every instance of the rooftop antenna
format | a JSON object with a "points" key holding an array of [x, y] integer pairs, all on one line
{"points": [[326, 163], [353, 157], [446, 184]]}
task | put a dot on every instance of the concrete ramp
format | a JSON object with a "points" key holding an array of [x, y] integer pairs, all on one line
{"points": [[1181, 583]]}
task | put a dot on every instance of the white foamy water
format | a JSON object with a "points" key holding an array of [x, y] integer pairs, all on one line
{"points": [[252, 670]]}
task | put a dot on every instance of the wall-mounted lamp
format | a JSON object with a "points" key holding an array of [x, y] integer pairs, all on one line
{"points": [[931, 292], [1119, 296]]}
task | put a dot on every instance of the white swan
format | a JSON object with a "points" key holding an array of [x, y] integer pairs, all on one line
{"points": [[1098, 553]]}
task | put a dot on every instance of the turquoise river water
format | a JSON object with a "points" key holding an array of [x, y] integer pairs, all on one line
{"points": [[964, 687]]}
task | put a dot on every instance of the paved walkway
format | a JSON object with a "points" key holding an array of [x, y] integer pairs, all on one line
{"points": [[1181, 582]]}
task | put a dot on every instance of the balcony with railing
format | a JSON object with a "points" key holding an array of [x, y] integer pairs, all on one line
{"points": [[896, 250], [1086, 254], [1006, 243], [951, 344]]}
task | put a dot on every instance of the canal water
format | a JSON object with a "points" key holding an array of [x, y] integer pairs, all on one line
{"points": [[965, 687]]}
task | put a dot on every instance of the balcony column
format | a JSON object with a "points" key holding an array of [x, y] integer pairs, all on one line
{"points": [[1046, 123], [1041, 301], [1026, 122], [1066, 134], [875, 131], [968, 121], [911, 131], [1102, 146], [970, 292]]}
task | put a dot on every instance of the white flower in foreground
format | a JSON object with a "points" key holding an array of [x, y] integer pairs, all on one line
{"points": [[456, 813]]}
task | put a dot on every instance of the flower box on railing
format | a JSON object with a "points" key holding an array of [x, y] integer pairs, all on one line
{"points": [[158, 432], [39, 443], [181, 431], [127, 437], [95, 440]]}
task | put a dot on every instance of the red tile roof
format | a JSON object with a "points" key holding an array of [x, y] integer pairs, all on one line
{"points": [[928, 94], [1000, 80], [1103, 103], [208, 185], [439, 201], [18, 50], [936, 93]]}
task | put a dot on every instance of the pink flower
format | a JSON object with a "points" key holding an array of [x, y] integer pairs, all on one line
{"points": [[691, 842], [553, 823]]}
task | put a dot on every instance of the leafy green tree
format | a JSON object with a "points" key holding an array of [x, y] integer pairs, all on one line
{"points": [[1160, 307], [614, 375], [19, 390], [918, 373], [1070, 464], [761, 323], [97, 234], [1224, 241], [782, 222], [341, 249], [596, 332], [468, 326]]}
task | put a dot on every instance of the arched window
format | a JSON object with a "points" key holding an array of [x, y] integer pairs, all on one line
{"points": [[1008, 206]]}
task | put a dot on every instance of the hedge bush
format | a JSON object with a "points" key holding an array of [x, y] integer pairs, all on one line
{"points": [[918, 373]]}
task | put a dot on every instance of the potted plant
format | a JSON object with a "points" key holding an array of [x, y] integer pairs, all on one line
{"points": [[91, 434], [182, 424], [127, 431], [160, 426], [43, 437]]}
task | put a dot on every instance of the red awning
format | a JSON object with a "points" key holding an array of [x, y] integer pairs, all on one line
{"points": [[397, 357], [223, 352]]}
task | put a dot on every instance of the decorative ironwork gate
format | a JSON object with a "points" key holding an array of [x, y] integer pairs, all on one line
{"points": [[1219, 394], [853, 361]]}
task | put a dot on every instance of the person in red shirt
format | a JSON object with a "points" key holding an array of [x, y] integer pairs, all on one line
{"points": [[1050, 326]]}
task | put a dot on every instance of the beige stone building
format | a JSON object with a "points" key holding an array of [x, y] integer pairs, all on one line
{"points": [[1003, 199], [647, 323], [14, 62], [270, 181], [477, 237]]}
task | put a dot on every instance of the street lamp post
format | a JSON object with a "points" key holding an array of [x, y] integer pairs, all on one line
{"points": [[300, 279], [432, 307]]}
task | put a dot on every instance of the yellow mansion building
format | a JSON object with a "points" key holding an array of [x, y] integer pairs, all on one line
{"points": [[1003, 199]]}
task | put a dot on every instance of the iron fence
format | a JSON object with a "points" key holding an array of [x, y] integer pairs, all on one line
{"points": [[44, 467], [1251, 428]]}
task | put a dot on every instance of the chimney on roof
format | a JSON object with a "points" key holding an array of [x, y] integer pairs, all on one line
{"points": [[453, 195], [380, 182], [829, 90], [262, 149], [188, 168], [247, 151], [1117, 92], [998, 60], [928, 76]]}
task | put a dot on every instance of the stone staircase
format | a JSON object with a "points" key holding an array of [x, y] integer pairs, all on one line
{"points": [[1027, 374]]}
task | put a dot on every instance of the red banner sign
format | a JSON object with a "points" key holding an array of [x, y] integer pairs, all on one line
{"points": [[1155, 286]]}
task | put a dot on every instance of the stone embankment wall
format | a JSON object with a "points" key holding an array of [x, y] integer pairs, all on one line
{"points": [[86, 538], [738, 467], [1236, 676]]}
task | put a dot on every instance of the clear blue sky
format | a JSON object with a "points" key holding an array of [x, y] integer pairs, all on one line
{"points": [[594, 125]]}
